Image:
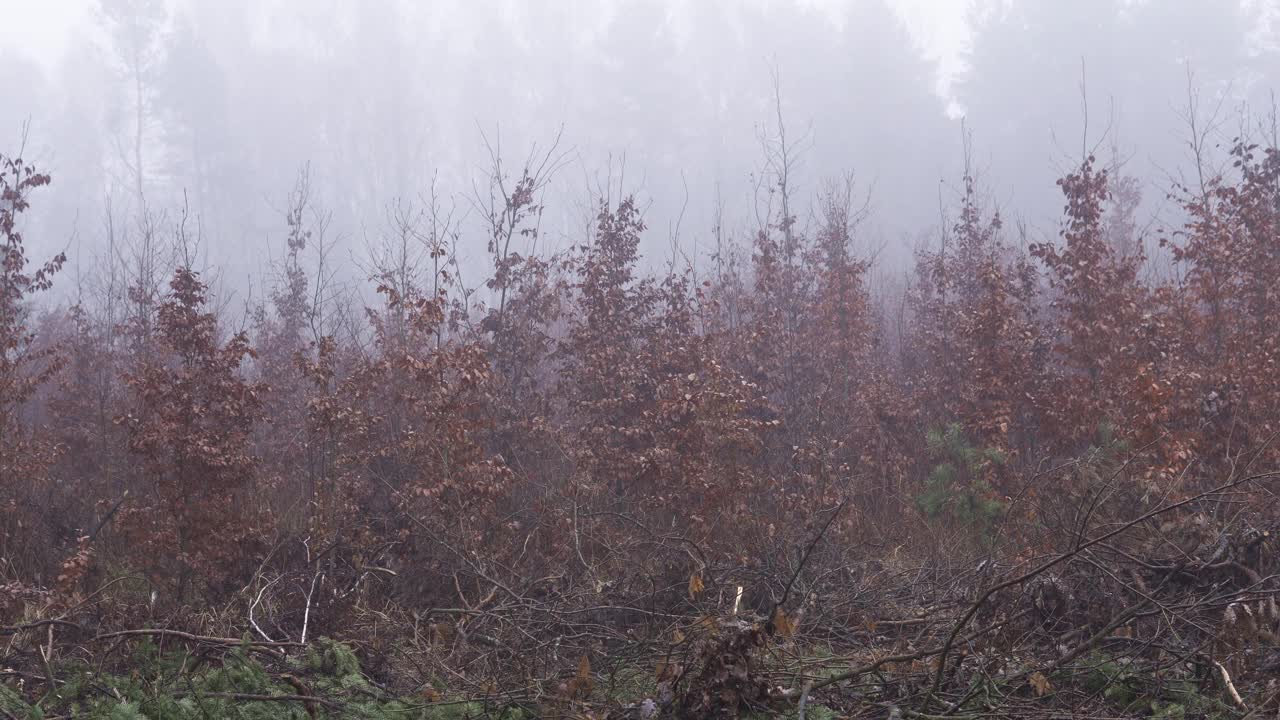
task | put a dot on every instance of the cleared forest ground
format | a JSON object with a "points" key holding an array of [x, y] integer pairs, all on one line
{"points": [[1167, 614]]}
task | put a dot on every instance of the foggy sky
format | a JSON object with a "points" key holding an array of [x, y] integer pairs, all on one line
{"points": [[669, 99], [42, 31]]}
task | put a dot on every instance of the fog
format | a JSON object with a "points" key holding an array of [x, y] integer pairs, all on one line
{"points": [[202, 114], [639, 358]]}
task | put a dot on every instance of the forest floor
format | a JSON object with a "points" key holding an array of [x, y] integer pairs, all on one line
{"points": [[1106, 628]]}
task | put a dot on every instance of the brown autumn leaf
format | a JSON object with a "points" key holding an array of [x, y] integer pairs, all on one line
{"points": [[582, 684], [666, 670], [1039, 684], [782, 623], [696, 585]]}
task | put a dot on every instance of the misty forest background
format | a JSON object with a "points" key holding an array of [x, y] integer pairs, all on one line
{"points": [[518, 346]]}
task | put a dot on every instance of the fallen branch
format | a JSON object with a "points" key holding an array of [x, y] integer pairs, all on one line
{"points": [[1229, 686], [230, 642], [1063, 557]]}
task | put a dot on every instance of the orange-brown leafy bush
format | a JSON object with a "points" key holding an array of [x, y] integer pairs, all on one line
{"points": [[194, 516], [25, 365], [596, 466]]}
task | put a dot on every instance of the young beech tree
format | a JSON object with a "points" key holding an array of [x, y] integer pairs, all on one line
{"points": [[610, 389], [658, 425], [1228, 322], [1097, 303], [975, 354], [24, 364], [295, 465], [409, 419], [528, 294], [192, 527], [843, 403]]}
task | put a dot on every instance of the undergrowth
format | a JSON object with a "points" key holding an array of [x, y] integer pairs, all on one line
{"points": [[325, 682]]}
